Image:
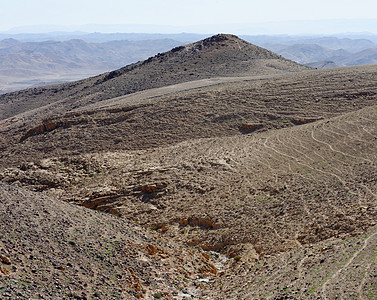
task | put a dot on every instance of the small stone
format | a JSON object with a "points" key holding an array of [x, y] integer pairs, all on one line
{"points": [[164, 228], [5, 259]]}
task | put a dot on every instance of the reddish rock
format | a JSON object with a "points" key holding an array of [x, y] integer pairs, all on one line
{"points": [[149, 188], [303, 121], [4, 270], [49, 126]]}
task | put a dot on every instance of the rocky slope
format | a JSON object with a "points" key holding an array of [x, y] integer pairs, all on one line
{"points": [[278, 189], [54, 250], [339, 268]]}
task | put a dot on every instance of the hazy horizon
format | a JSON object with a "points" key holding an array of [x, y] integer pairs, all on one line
{"points": [[204, 16]]}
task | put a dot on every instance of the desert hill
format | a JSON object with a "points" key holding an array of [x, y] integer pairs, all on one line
{"points": [[368, 56], [32, 60], [271, 174], [221, 55], [309, 50], [74, 54], [308, 53]]}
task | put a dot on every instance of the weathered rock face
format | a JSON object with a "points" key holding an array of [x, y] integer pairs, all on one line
{"points": [[114, 115], [46, 126]]}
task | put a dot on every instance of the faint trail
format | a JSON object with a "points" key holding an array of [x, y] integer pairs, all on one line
{"points": [[293, 158], [299, 267], [362, 283], [362, 128], [366, 119], [302, 153], [337, 151], [329, 132], [315, 169], [337, 273], [368, 189], [347, 123], [286, 172]]}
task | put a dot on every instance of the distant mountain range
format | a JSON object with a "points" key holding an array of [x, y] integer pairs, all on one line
{"points": [[309, 50], [349, 26], [28, 60], [28, 64], [77, 54]]}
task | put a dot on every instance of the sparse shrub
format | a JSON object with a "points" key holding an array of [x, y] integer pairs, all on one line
{"points": [[237, 258], [154, 227], [312, 290], [157, 296], [72, 243]]}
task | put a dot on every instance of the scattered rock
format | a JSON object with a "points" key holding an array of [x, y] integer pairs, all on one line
{"points": [[149, 188]]}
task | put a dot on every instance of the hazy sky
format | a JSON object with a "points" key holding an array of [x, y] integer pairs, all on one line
{"points": [[14, 13]]}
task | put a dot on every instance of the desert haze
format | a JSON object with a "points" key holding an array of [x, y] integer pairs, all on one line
{"points": [[215, 170]]}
